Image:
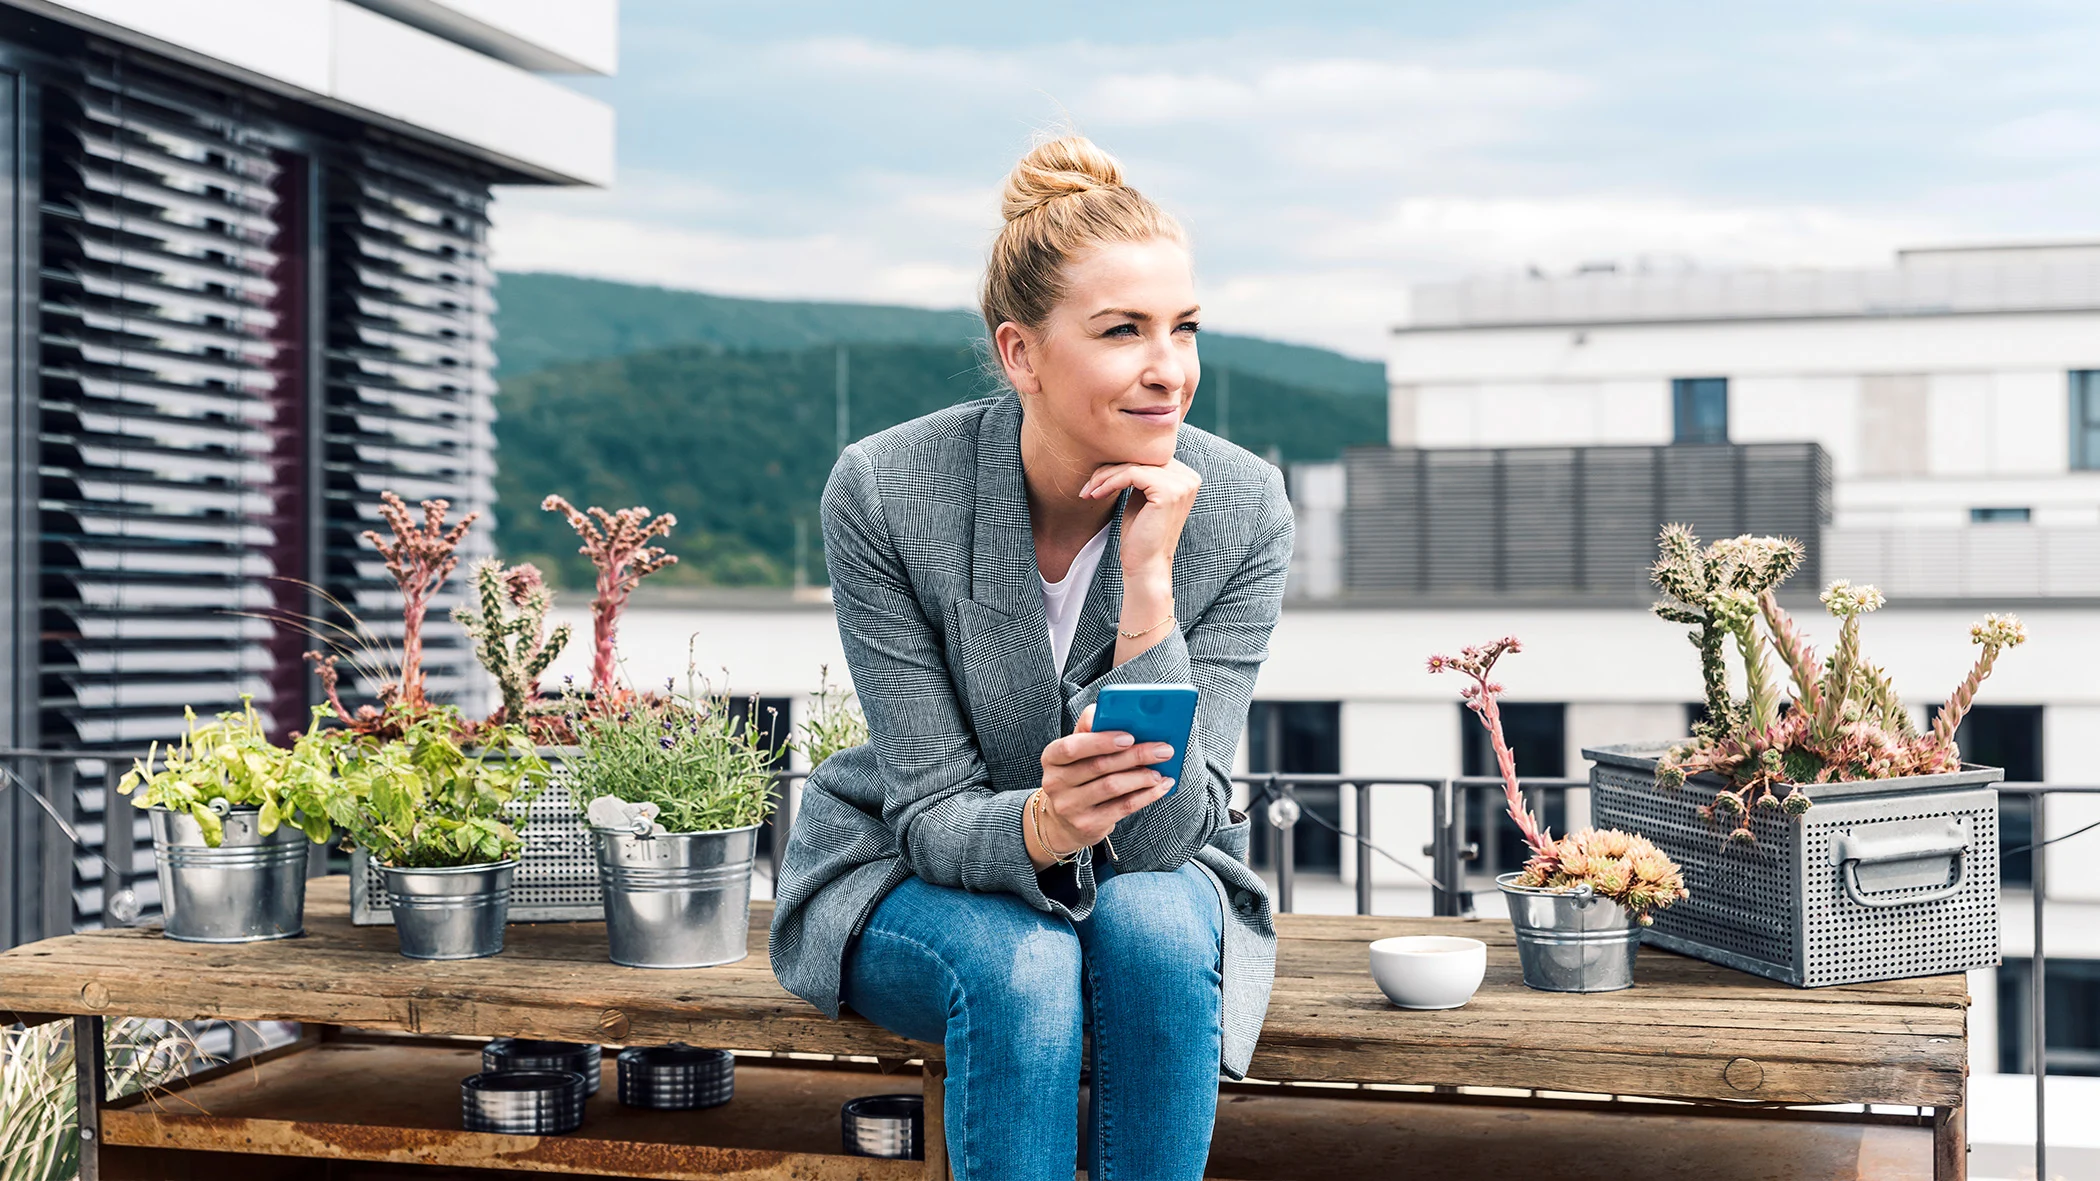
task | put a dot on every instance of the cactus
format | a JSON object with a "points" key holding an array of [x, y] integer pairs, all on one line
{"points": [[618, 545], [509, 630], [1625, 868], [1846, 721], [1696, 580]]}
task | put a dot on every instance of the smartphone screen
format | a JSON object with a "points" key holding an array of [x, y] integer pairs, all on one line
{"points": [[1151, 713]]}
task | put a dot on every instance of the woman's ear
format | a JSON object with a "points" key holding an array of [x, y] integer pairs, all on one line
{"points": [[1018, 348]]}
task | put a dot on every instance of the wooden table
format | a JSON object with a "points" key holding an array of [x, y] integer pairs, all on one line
{"points": [[1689, 1030]]}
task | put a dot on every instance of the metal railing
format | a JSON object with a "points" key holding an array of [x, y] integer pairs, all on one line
{"points": [[46, 813], [1450, 850]]}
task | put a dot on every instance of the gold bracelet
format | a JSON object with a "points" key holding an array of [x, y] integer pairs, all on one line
{"points": [[1148, 631], [1035, 817]]}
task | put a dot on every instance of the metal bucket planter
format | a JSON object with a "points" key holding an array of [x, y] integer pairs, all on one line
{"points": [[454, 913], [676, 900], [888, 1126], [1879, 880], [249, 889], [1571, 940]]}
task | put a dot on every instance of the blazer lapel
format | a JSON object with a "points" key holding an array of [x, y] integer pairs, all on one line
{"points": [[1008, 676]]}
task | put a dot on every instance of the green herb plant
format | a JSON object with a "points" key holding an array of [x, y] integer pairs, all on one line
{"points": [[705, 768], [422, 801], [230, 763]]}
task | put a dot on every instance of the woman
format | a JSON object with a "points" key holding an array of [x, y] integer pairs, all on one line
{"points": [[987, 872]]}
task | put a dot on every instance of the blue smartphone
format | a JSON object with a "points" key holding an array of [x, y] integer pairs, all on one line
{"points": [[1151, 713]]}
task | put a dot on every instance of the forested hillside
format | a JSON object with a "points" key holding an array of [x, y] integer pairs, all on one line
{"points": [[738, 442], [546, 319]]}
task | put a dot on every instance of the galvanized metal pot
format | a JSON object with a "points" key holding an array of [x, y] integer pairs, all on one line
{"points": [[1571, 941], [676, 900], [455, 913], [249, 889], [888, 1126]]}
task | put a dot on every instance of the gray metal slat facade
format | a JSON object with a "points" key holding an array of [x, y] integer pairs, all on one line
{"points": [[1540, 523]]}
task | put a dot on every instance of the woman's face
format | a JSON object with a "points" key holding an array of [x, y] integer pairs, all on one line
{"points": [[1112, 371]]}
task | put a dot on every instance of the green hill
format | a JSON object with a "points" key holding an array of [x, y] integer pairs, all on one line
{"points": [[738, 443], [546, 319]]}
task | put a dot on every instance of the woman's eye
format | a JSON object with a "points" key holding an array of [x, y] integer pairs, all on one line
{"points": [[1122, 330], [1188, 326]]}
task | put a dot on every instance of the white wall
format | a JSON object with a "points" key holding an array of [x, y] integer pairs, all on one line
{"points": [[345, 58]]}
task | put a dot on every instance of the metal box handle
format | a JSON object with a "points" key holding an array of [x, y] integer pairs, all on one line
{"points": [[1849, 851]]}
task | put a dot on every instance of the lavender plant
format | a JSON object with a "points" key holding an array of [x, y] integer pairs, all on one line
{"points": [[509, 631], [705, 768], [1844, 720]]}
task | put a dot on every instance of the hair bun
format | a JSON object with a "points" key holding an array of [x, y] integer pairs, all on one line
{"points": [[1061, 167]]}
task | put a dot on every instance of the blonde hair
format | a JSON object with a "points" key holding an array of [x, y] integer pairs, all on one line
{"points": [[1065, 196]]}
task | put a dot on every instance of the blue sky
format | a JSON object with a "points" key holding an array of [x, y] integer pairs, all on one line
{"points": [[1325, 156]]}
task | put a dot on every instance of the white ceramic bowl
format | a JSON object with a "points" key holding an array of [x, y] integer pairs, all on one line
{"points": [[1428, 971]]}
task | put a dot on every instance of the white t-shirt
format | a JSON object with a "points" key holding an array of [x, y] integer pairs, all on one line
{"points": [[1063, 599]]}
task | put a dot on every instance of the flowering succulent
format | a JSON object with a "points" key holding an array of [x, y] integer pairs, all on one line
{"points": [[618, 546], [1844, 721], [1622, 867]]}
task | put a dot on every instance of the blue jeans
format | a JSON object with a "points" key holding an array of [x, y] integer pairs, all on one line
{"points": [[1007, 989]]}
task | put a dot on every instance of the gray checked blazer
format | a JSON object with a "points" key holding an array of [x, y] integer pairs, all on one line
{"points": [[940, 608]]}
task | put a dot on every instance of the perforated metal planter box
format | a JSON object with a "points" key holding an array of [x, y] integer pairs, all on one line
{"points": [[1877, 881], [557, 874]]}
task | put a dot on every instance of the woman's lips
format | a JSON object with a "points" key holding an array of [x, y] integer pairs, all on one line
{"points": [[1153, 413]]}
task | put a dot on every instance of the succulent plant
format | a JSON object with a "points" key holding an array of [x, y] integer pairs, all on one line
{"points": [[510, 630], [617, 543], [1844, 721], [1621, 866]]}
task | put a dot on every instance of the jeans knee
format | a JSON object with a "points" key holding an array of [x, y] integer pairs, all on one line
{"points": [[1156, 925], [1032, 983]]}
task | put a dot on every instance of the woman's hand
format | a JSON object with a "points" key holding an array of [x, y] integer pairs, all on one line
{"points": [[1152, 521], [1153, 518], [1090, 781]]}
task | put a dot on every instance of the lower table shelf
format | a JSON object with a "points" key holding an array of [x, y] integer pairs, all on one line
{"points": [[389, 1108]]}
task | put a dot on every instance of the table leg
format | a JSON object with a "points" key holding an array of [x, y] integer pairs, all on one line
{"points": [[935, 1134], [90, 1087], [1950, 1145]]}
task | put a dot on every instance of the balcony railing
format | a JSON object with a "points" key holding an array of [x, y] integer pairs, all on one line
{"points": [[58, 870]]}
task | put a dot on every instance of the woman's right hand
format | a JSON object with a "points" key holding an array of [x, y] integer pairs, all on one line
{"points": [[1090, 781]]}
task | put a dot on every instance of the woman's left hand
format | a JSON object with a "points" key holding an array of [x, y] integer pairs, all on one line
{"points": [[1153, 519]]}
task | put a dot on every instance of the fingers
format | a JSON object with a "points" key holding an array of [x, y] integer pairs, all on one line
{"points": [[1117, 789], [1140, 755], [1078, 746], [1085, 725], [1159, 482]]}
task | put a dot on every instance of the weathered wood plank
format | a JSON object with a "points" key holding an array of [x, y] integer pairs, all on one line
{"points": [[1687, 1030], [399, 1104]]}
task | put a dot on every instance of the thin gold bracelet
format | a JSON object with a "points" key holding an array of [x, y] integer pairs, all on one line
{"points": [[1035, 817], [1148, 631]]}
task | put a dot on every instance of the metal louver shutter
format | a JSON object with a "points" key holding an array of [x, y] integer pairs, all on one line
{"points": [[159, 353], [410, 397]]}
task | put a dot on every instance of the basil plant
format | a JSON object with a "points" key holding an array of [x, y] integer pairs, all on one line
{"points": [[230, 763]]}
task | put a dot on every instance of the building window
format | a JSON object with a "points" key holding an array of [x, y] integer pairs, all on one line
{"points": [[1700, 405], [2085, 420], [2072, 993], [1538, 737], [1988, 516], [1305, 738]]}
